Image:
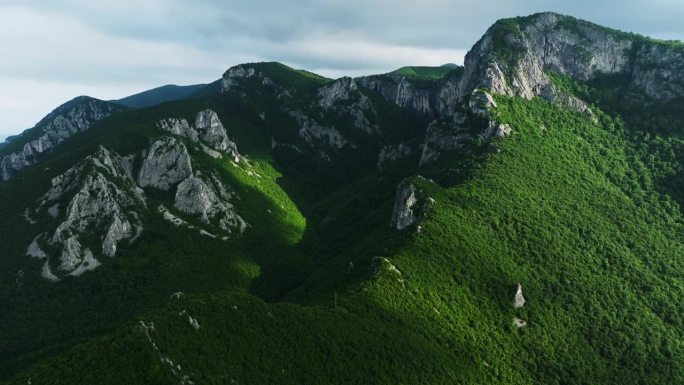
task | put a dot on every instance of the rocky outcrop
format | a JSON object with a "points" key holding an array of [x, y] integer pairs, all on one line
{"points": [[209, 200], [167, 163], [392, 153], [232, 77], [514, 55], [342, 89], [73, 117], [518, 300], [103, 200], [208, 129], [212, 132], [178, 127], [315, 134], [402, 92], [445, 135], [410, 205], [344, 98]]}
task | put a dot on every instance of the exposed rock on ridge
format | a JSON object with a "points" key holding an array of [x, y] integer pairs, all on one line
{"points": [[210, 201], [75, 116], [410, 206], [167, 163], [103, 200], [208, 128]]}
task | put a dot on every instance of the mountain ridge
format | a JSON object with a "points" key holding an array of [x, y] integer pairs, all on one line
{"points": [[384, 228]]}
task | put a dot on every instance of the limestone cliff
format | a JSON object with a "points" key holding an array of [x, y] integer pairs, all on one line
{"points": [[71, 118]]}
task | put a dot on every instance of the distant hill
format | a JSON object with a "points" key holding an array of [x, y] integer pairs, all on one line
{"points": [[167, 93], [425, 72]]}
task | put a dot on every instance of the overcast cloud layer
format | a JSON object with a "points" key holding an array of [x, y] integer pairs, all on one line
{"points": [[53, 51]]}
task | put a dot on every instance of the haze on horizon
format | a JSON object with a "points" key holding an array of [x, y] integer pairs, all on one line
{"points": [[54, 51]]}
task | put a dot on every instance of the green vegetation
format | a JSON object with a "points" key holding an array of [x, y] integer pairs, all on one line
{"points": [[585, 211], [425, 73]]}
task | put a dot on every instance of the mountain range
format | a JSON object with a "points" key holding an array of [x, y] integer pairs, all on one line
{"points": [[518, 219]]}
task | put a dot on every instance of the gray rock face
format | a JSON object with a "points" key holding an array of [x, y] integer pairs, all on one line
{"points": [[209, 200], [166, 164], [519, 300], [208, 128], [403, 93], [496, 130], [516, 62], [315, 134], [481, 103], [103, 203], [178, 127], [578, 49], [235, 77], [344, 98], [211, 130], [446, 135], [232, 77], [69, 119], [342, 89], [390, 154], [408, 206]]}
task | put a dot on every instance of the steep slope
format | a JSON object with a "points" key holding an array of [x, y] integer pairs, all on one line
{"points": [[509, 222], [167, 93], [71, 118]]}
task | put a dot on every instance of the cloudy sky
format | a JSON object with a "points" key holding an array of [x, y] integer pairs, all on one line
{"points": [[55, 50]]}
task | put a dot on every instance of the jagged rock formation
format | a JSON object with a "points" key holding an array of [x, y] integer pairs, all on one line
{"points": [[315, 134], [75, 116], [514, 57], [167, 163], [234, 78], [400, 91], [211, 130], [208, 128], [343, 97], [209, 200], [410, 206], [522, 50], [233, 75], [178, 127], [103, 200]]}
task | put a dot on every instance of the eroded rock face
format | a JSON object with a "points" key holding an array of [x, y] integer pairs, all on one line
{"points": [[576, 48], [103, 200], [166, 164], [315, 134], [209, 200], [409, 206], [519, 300], [342, 89], [208, 129], [344, 98], [402, 92], [446, 135], [178, 127], [69, 119], [211, 131], [232, 77]]}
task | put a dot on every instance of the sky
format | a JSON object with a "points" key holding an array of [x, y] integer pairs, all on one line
{"points": [[55, 50]]}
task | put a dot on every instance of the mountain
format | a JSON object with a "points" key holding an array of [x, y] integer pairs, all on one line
{"points": [[515, 220], [422, 72], [70, 118], [167, 93]]}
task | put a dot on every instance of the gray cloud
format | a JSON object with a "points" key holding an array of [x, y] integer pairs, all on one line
{"points": [[70, 47]]}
